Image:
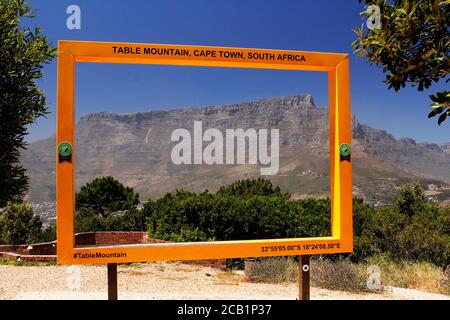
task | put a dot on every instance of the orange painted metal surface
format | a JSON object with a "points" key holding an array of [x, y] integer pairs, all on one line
{"points": [[337, 66]]}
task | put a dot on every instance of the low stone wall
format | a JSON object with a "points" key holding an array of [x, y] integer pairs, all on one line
{"points": [[109, 238], [27, 257], [47, 251], [46, 248]]}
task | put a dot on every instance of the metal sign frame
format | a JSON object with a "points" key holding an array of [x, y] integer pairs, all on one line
{"points": [[337, 67]]}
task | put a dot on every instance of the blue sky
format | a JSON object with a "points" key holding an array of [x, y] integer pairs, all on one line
{"points": [[319, 25]]}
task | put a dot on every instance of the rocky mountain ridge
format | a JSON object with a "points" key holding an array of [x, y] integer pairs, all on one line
{"points": [[136, 149]]}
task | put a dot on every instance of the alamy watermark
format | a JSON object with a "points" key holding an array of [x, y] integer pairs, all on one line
{"points": [[73, 21], [374, 278], [74, 278], [373, 17], [229, 147]]}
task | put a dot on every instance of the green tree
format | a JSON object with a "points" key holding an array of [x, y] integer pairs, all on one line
{"points": [[87, 221], [411, 199], [22, 55], [19, 224], [411, 45], [2, 224], [364, 225], [252, 187], [105, 195], [427, 236], [48, 234]]}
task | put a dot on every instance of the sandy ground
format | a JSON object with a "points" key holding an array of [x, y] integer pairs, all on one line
{"points": [[162, 281]]}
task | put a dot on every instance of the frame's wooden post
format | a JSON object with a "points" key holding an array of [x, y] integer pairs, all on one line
{"points": [[303, 277], [112, 281]]}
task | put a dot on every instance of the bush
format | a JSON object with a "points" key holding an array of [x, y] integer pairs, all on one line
{"points": [[426, 237], [87, 221], [342, 275], [230, 217], [364, 245], [19, 225], [389, 223], [130, 220], [48, 234], [272, 270], [2, 241], [414, 229], [190, 235]]}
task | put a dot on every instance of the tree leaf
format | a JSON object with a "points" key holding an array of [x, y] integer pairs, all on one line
{"points": [[435, 112], [442, 118], [434, 98]]}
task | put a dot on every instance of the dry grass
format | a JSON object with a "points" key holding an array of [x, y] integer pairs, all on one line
{"points": [[272, 270], [414, 275], [132, 265], [173, 277], [229, 277], [134, 272], [343, 275], [338, 275], [187, 268], [333, 275]]}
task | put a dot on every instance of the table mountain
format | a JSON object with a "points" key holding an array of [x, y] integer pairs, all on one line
{"points": [[136, 149]]}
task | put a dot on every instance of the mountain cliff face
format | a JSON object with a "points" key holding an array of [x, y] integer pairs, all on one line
{"points": [[136, 149]]}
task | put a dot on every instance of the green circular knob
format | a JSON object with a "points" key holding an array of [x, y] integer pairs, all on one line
{"points": [[345, 150], [65, 149]]}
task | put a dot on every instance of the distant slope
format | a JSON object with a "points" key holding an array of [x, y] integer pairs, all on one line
{"points": [[136, 147]]}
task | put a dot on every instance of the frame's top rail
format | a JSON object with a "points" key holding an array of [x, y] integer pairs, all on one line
{"points": [[121, 52]]}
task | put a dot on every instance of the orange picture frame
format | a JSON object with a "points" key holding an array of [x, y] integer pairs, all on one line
{"points": [[335, 64]]}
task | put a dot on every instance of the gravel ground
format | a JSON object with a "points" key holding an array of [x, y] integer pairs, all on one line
{"points": [[163, 281]]}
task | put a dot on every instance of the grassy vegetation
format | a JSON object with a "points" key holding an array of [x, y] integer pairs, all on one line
{"points": [[415, 275], [19, 263], [228, 277], [272, 270], [333, 275], [344, 275], [409, 241]]}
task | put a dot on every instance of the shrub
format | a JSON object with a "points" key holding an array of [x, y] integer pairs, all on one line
{"points": [[48, 234], [19, 224], [2, 241], [230, 217], [130, 220], [416, 275], [340, 275], [414, 229], [389, 223], [426, 237], [190, 235], [87, 221], [411, 200], [272, 270], [363, 231]]}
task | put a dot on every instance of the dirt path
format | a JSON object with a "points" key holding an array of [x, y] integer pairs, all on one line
{"points": [[163, 281]]}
